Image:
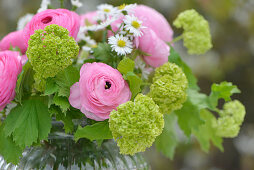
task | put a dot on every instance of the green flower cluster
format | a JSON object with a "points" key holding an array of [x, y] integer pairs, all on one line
{"points": [[230, 120], [135, 125], [169, 86], [50, 51], [196, 35]]}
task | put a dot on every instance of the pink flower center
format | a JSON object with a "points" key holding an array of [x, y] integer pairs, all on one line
{"points": [[46, 20], [107, 85]]}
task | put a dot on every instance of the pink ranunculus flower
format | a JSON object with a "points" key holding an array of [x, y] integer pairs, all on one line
{"points": [[100, 89], [158, 32], [155, 21], [155, 35], [89, 16], [24, 59], [10, 67], [14, 39], [62, 17], [153, 45]]}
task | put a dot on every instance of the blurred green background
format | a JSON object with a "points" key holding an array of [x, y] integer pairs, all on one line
{"points": [[231, 59]]}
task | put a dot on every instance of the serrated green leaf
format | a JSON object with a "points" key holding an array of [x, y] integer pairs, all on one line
{"points": [[224, 90], [51, 87], [198, 99], [62, 102], [126, 65], [96, 131], [103, 53], [25, 82], [207, 132], [189, 115], [28, 123], [8, 149], [175, 58], [65, 79], [167, 142], [67, 120], [134, 83]]}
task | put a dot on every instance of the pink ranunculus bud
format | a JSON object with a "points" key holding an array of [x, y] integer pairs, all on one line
{"points": [[100, 89], [157, 33], [14, 39], [155, 21], [10, 67], [89, 16], [153, 45], [62, 17]]}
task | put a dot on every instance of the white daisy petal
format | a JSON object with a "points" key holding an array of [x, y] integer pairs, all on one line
{"points": [[133, 25], [106, 9], [23, 21], [120, 44], [44, 5], [128, 8], [76, 3]]}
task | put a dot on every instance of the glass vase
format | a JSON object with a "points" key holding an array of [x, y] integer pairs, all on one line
{"points": [[61, 152]]}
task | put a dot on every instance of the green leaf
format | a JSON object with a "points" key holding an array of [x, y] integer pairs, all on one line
{"points": [[175, 58], [167, 142], [223, 90], [134, 83], [207, 132], [8, 149], [126, 65], [62, 102], [198, 99], [103, 53], [189, 115], [28, 123], [24, 83], [67, 120], [96, 131], [51, 87], [65, 79]]}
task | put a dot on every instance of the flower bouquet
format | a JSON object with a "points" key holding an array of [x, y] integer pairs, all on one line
{"points": [[109, 74]]}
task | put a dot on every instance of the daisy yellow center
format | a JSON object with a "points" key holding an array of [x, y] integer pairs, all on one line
{"points": [[106, 10], [135, 24], [121, 43], [121, 7]]}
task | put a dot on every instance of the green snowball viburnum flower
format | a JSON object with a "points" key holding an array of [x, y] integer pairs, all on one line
{"points": [[196, 34], [50, 51], [169, 86], [230, 120], [135, 125]]}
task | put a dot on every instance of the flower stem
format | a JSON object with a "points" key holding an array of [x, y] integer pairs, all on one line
{"points": [[176, 39], [62, 3]]}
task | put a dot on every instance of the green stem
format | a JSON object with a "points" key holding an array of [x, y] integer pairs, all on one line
{"points": [[119, 28], [176, 39], [62, 3], [105, 35], [146, 84]]}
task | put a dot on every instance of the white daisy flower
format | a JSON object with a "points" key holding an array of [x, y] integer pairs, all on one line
{"points": [[101, 26], [128, 8], [133, 25], [122, 45], [23, 21], [44, 5], [86, 48], [76, 3], [81, 36], [107, 9]]}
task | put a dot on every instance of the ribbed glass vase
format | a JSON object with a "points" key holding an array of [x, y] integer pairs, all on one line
{"points": [[61, 152]]}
